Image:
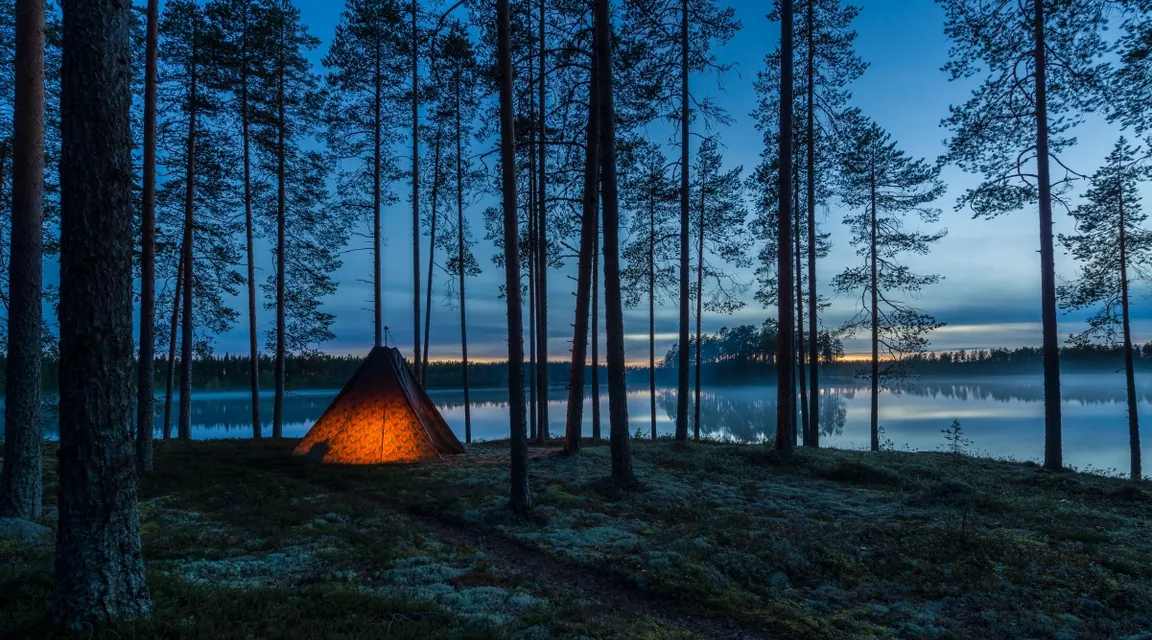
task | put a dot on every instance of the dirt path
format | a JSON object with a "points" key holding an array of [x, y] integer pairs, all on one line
{"points": [[530, 565]]}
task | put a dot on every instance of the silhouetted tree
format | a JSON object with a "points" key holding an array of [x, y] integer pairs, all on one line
{"points": [[1041, 68], [99, 573], [520, 498], [146, 362], [785, 394], [651, 255], [887, 186], [1112, 248]]}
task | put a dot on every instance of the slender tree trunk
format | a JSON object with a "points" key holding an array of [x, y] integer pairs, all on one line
{"points": [[596, 434], [146, 363], [813, 335], [542, 247], [184, 423], [253, 347], [875, 287], [652, 312], [533, 380], [281, 271], [172, 330], [415, 186], [785, 387], [99, 574], [613, 307], [699, 305], [1129, 366], [520, 498], [21, 482], [377, 197], [584, 273], [431, 251], [463, 265], [800, 368], [682, 360], [1053, 447]]}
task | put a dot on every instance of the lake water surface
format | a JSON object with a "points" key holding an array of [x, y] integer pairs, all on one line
{"points": [[1001, 416]]}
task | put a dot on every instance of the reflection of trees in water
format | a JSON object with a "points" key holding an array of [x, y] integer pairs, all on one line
{"points": [[752, 419], [1094, 392]]}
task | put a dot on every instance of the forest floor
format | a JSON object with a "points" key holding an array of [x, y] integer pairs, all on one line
{"points": [[717, 541]]}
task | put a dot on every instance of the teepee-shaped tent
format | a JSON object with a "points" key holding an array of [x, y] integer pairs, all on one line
{"points": [[381, 415]]}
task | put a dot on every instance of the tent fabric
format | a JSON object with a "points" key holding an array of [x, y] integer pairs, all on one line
{"points": [[381, 415]]}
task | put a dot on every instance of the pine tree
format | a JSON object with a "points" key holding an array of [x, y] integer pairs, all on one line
{"points": [[146, 361], [720, 213], [520, 498], [887, 186], [1041, 65], [364, 112], [652, 254], [1113, 249], [785, 398], [99, 574], [309, 234]]}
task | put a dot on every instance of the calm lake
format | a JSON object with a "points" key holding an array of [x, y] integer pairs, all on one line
{"points": [[1001, 416]]}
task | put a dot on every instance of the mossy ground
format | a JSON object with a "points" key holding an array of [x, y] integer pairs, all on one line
{"points": [[245, 541]]}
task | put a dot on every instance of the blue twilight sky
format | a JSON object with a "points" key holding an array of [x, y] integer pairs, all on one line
{"points": [[990, 294]]}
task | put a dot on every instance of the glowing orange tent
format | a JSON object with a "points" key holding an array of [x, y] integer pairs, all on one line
{"points": [[381, 415]]}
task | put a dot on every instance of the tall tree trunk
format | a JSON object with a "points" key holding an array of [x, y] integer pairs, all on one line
{"points": [[520, 498], [99, 574], [699, 305], [652, 312], [785, 387], [682, 360], [542, 247], [377, 197], [1129, 366], [875, 286], [463, 265], [146, 363], [1053, 447], [21, 482], [184, 423], [253, 348], [172, 329], [431, 251], [813, 335], [800, 368], [415, 187], [613, 307], [533, 380], [281, 271], [596, 433], [574, 427]]}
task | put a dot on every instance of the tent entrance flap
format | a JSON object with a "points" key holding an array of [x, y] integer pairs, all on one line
{"points": [[381, 415]]}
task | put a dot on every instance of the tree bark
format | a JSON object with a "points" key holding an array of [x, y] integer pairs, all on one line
{"points": [[1053, 453], [377, 232], [253, 348], [1129, 366], [874, 422], [813, 335], [800, 368], [542, 248], [184, 423], [281, 246], [431, 251], [575, 418], [682, 360], [652, 311], [463, 265], [172, 347], [533, 380], [415, 186], [146, 363], [21, 483], [99, 572], [520, 498], [785, 387], [613, 305]]}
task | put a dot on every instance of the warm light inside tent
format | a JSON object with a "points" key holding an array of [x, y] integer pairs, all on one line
{"points": [[381, 416]]}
